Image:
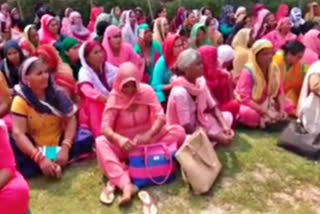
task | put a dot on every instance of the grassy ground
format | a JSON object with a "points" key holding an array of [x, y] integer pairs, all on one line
{"points": [[258, 177]]}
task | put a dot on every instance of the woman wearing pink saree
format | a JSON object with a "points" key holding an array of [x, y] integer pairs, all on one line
{"points": [[282, 34], [133, 116], [14, 190], [118, 51]]}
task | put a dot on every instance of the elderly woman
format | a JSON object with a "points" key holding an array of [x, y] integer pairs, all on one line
{"points": [[96, 78], [44, 123], [292, 70], [191, 105], [309, 102], [133, 116], [282, 34], [148, 49], [14, 190], [162, 73], [259, 90]]}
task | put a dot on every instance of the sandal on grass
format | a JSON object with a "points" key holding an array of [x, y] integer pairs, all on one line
{"points": [[148, 205], [107, 195]]}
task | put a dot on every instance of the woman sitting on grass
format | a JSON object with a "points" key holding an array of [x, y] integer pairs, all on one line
{"points": [[44, 122], [133, 116], [259, 90], [190, 103]]}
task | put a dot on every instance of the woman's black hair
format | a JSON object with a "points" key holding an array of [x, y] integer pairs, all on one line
{"points": [[293, 47], [101, 27], [184, 32]]}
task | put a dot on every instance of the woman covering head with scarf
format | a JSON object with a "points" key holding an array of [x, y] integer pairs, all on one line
{"points": [[77, 30], [227, 21], [95, 12], [148, 49], [256, 9], [163, 71], [282, 34], [49, 32], [259, 90], [96, 78], [241, 44], [60, 71], [191, 105], [219, 80], [313, 11], [308, 106], [205, 11], [296, 19], [43, 116], [178, 22], [10, 65], [241, 11], [292, 70], [283, 12], [243, 21], [66, 21], [69, 53], [199, 36], [133, 116], [30, 42], [118, 51], [266, 23], [212, 24], [192, 17], [129, 30], [311, 41], [115, 16], [160, 29]]}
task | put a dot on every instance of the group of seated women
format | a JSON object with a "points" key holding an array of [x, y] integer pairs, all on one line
{"points": [[72, 92]]}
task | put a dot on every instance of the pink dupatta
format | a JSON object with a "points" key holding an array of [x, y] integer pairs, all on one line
{"points": [[46, 37], [204, 100]]}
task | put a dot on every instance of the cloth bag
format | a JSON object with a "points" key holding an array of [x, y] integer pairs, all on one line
{"points": [[296, 139], [310, 114], [152, 164], [199, 162]]}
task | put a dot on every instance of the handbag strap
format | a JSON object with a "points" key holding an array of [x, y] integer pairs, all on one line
{"points": [[147, 166]]}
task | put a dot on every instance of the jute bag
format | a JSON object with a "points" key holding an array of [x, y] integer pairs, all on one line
{"points": [[199, 163]]}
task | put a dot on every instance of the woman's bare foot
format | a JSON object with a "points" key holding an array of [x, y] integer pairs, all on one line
{"points": [[127, 193]]}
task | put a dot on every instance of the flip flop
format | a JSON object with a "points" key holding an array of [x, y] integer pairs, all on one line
{"points": [[107, 195], [148, 205]]}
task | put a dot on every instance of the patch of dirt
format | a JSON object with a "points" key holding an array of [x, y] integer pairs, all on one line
{"points": [[284, 198], [264, 174], [227, 182], [219, 209], [309, 194]]}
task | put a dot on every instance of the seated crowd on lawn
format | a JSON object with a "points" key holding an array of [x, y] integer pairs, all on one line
{"points": [[126, 80]]}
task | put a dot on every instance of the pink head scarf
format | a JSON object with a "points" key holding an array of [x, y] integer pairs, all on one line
{"points": [[258, 30], [95, 12], [46, 37], [283, 11], [312, 41], [77, 31], [144, 95], [126, 51]]}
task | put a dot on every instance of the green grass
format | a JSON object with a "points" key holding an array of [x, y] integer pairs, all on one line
{"points": [[256, 173]]}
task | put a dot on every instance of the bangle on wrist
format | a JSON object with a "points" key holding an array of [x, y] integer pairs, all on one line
{"points": [[67, 143], [37, 157]]}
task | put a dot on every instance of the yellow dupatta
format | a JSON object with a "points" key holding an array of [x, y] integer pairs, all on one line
{"points": [[260, 83]]}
